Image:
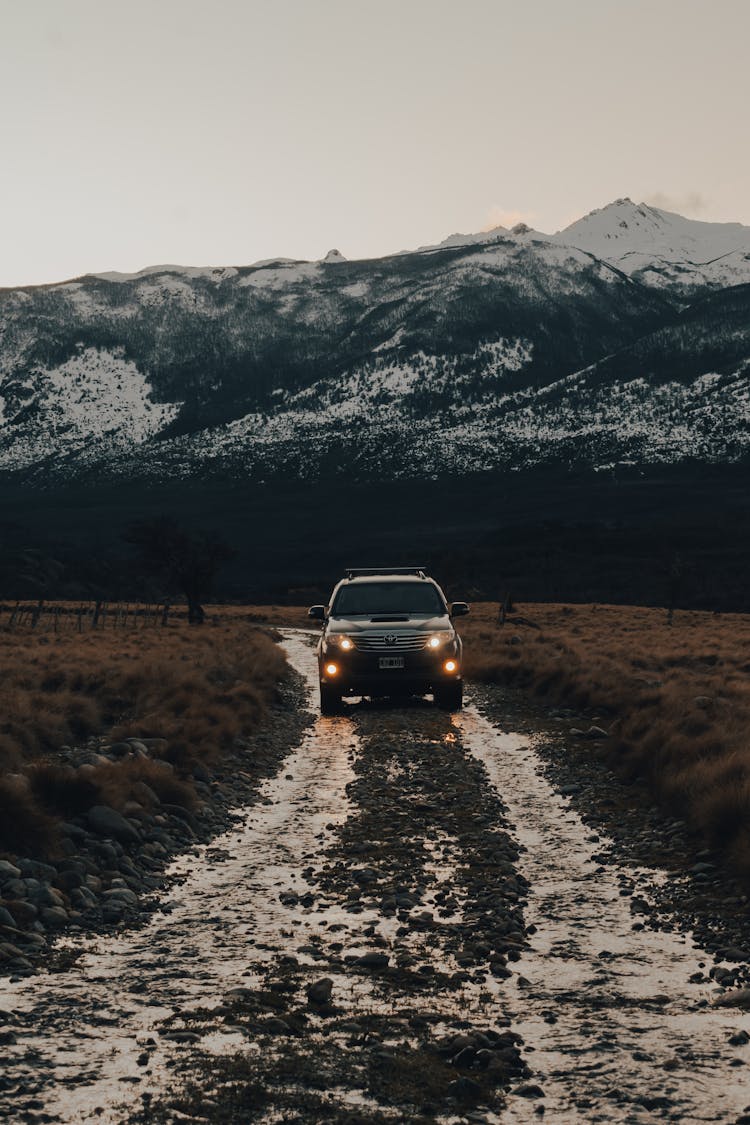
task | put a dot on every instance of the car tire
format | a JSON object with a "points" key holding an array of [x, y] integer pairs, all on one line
{"points": [[330, 700], [450, 697]]}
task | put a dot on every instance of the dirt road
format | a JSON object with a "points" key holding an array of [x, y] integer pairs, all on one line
{"points": [[411, 924]]}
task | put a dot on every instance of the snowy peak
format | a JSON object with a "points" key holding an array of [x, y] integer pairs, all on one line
{"points": [[662, 247]]}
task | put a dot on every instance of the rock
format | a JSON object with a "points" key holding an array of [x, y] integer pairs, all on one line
{"points": [[739, 1039], [734, 954], [6, 918], [528, 1090], [703, 701], [464, 1087], [10, 953], [24, 913], [374, 961], [48, 896], [8, 871], [68, 880], [54, 917], [107, 822], [157, 746], [319, 993], [82, 898], [120, 895], [119, 749], [738, 998], [138, 749]]}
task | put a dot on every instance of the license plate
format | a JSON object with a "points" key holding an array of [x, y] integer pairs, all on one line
{"points": [[391, 662]]}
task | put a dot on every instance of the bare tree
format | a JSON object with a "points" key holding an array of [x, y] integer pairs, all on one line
{"points": [[185, 561]]}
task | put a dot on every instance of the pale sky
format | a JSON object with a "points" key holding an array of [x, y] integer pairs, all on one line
{"points": [[220, 132]]}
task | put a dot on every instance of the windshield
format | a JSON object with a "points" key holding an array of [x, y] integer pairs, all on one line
{"points": [[368, 598]]}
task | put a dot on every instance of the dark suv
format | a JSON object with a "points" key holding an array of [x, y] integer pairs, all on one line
{"points": [[389, 632]]}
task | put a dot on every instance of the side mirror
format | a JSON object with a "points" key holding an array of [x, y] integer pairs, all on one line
{"points": [[459, 609], [317, 612]]}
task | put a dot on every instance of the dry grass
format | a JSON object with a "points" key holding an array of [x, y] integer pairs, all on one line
{"points": [[197, 687], [676, 699]]}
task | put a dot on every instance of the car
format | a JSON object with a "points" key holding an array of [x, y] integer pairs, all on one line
{"points": [[389, 632]]}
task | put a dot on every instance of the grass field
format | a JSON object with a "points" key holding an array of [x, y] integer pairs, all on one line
{"points": [[197, 689], [675, 698]]}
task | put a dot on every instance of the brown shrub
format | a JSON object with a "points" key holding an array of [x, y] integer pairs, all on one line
{"points": [[61, 790], [24, 827], [676, 698], [199, 688]]}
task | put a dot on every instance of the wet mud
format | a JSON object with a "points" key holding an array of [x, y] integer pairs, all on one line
{"points": [[411, 923]]}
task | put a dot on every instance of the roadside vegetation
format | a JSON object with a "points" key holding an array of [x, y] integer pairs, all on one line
{"points": [[674, 698], [188, 692]]}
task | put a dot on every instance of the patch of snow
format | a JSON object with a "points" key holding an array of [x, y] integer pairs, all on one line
{"points": [[93, 404], [356, 289], [278, 275]]}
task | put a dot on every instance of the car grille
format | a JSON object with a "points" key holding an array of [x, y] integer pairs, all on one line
{"points": [[390, 642]]}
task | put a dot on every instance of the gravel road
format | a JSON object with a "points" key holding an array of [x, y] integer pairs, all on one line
{"points": [[416, 920]]}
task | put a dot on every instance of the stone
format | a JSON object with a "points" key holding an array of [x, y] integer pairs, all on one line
{"points": [[119, 749], [528, 1090], [120, 895], [319, 992], [373, 961], [68, 880], [48, 896], [737, 998], [6, 918], [107, 822], [8, 871], [54, 917], [23, 912]]}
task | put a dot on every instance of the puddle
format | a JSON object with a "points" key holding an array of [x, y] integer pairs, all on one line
{"points": [[613, 1028]]}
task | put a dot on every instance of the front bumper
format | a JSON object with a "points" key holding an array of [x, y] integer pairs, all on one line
{"points": [[359, 673]]}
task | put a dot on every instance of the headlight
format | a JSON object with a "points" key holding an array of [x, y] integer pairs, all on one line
{"points": [[341, 641], [437, 640]]}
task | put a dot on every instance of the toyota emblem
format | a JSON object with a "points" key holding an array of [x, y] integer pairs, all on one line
{"points": [[390, 638]]}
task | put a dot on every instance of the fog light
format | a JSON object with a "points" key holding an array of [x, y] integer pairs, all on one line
{"points": [[346, 644], [331, 669], [450, 666]]}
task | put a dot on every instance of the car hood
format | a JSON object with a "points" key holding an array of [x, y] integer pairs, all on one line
{"points": [[381, 623]]}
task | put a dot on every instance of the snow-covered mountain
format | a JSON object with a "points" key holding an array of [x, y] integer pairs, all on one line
{"points": [[663, 249], [624, 337]]}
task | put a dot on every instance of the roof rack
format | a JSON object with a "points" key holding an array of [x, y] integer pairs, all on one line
{"points": [[361, 571]]}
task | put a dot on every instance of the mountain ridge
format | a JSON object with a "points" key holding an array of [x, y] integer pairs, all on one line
{"points": [[504, 350]]}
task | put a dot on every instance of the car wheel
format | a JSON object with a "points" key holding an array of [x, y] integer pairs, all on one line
{"points": [[450, 697], [330, 700]]}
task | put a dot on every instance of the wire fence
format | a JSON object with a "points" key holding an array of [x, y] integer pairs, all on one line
{"points": [[54, 617]]}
